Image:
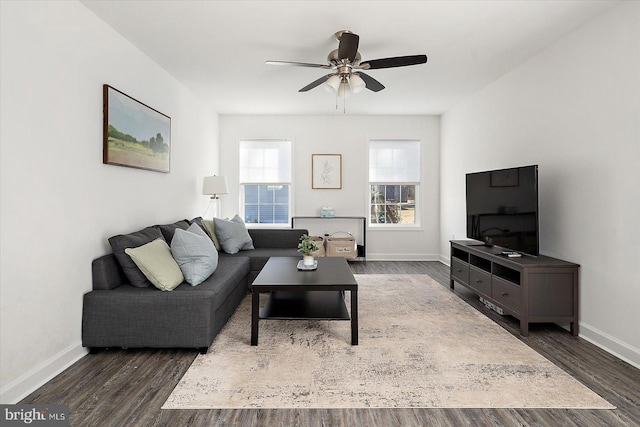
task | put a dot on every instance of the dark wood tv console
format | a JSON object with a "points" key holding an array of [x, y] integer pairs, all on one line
{"points": [[531, 289]]}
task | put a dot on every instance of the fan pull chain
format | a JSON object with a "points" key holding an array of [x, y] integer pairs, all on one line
{"points": [[344, 102]]}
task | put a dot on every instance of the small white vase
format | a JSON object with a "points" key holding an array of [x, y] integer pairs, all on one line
{"points": [[308, 259]]}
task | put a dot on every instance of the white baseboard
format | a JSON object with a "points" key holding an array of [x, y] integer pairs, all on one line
{"points": [[29, 382], [610, 344], [403, 257]]}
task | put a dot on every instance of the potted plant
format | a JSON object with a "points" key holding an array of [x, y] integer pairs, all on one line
{"points": [[307, 247]]}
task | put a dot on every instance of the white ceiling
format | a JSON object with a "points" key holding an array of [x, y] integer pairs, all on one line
{"points": [[218, 49]]}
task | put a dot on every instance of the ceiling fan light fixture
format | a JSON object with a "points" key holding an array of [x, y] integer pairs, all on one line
{"points": [[333, 84], [345, 90], [356, 83]]}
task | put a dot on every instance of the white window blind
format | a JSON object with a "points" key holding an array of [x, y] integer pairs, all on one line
{"points": [[394, 161], [265, 161]]}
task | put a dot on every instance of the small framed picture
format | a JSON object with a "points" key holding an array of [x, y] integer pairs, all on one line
{"points": [[326, 171]]}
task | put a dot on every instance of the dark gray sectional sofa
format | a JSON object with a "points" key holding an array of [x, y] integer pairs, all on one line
{"points": [[117, 314]]}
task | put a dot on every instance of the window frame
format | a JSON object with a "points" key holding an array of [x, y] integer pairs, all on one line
{"points": [[417, 202], [265, 224], [289, 184], [415, 223]]}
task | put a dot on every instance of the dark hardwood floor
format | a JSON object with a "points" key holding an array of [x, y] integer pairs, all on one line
{"points": [[128, 387]]}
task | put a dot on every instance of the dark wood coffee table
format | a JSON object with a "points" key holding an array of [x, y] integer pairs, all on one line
{"points": [[299, 294]]}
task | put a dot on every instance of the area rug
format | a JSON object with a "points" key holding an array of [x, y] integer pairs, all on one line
{"points": [[419, 346]]}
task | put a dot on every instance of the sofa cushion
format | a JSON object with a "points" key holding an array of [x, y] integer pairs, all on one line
{"points": [[259, 257], [230, 273], [232, 235], [167, 230], [198, 220], [156, 263], [132, 240], [281, 238], [195, 253], [106, 273]]}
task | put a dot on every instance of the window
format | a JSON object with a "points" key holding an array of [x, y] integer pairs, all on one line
{"points": [[265, 181], [394, 181]]}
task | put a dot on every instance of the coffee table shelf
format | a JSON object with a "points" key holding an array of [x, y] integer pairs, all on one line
{"points": [[319, 305]]}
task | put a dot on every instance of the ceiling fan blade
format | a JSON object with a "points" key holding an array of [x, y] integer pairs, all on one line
{"points": [[372, 84], [316, 83], [348, 47], [298, 64], [398, 61]]}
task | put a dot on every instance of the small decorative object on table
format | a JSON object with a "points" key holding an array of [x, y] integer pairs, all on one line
{"points": [[307, 247], [327, 212], [303, 266]]}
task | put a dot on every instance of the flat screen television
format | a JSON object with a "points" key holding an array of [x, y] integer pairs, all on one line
{"points": [[502, 208]]}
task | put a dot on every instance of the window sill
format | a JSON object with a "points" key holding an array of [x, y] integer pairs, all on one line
{"points": [[265, 225], [394, 228]]}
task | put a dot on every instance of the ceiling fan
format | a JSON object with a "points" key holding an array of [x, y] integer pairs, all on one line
{"points": [[347, 67]]}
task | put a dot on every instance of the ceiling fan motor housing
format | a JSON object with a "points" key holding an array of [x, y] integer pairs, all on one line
{"points": [[333, 58]]}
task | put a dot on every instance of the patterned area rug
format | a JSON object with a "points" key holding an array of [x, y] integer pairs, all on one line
{"points": [[420, 346]]}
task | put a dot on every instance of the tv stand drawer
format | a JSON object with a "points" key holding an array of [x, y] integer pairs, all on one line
{"points": [[506, 294], [460, 271], [480, 280]]}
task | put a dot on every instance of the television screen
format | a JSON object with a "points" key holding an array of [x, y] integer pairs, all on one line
{"points": [[502, 208]]}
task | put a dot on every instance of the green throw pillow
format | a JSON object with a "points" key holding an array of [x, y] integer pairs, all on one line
{"points": [[157, 264], [210, 228]]}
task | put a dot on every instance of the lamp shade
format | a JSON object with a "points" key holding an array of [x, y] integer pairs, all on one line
{"points": [[214, 185], [356, 83], [332, 84], [344, 90]]}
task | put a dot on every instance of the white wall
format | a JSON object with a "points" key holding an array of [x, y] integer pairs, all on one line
{"points": [[349, 136], [574, 110], [59, 202]]}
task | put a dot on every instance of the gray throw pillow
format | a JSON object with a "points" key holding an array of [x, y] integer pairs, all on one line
{"points": [[232, 235], [123, 241], [167, 230], [195, 253]]}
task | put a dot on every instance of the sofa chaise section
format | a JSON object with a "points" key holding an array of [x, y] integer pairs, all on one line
{"points": [[116, 314]]}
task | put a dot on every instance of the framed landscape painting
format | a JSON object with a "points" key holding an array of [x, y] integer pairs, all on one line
{"points": [[326, 171], [134, 134]]}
